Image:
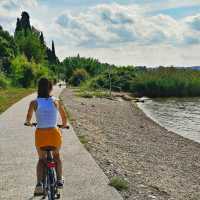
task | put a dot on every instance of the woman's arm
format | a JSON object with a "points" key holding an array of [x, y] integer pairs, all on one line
{"points": [[29, 115], [63, 114]]}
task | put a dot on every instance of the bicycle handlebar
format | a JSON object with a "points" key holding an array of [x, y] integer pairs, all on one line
{"points": [[58, 125]]}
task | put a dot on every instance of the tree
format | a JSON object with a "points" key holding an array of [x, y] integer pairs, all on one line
{"points": [[51, 55], [22, 72], [25, 57], [53, 50], [31, 42], [18, 26], [3, 81], [8, 50], [25, 21], [42, 39], [30, 46], [78, 76]]}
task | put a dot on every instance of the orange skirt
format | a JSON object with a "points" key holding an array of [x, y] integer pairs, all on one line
{"points": [[48, 137]]}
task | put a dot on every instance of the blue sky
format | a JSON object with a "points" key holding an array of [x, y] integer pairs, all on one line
{"points": [[123, 32], [179, 12]]}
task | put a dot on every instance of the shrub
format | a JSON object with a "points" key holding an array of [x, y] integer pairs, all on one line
{"points": [[26, 74], [121, 79], [3, 82], [83, 139], [22, 72], [79, 75], [92, 93], [119, 183], [85, 94]]}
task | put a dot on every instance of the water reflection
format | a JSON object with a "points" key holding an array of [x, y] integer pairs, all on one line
{"points": [[181, 115]]}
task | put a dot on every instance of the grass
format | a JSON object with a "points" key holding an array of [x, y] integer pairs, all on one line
{"points": [[85, 91], [119, 183], [83, 139], [84, 94], [92, 93], [69, 115], [10, 96]]}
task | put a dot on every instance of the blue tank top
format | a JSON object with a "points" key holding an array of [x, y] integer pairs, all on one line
{"points": [[46, 113]]}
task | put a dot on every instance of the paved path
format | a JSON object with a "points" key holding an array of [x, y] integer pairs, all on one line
{"points": [[84, 180]]}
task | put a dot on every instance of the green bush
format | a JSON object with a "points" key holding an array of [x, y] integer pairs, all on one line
{"points": [[22, 72], [26, 74], [3, 82], [119, 183], [42, 71], [121, 79], [83, 139], [78, 76], [91, 65], [85, 94]]}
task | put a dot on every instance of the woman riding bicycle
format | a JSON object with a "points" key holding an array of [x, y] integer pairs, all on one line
{"points": [[47, 108]]}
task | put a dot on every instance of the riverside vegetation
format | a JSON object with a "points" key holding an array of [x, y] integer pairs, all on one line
{"points": [[93, 77]]}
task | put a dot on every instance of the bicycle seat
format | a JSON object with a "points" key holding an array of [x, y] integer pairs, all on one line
{"points": [[48, 148]]}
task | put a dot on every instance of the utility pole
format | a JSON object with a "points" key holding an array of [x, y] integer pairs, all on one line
{"points": [[110, 82]]}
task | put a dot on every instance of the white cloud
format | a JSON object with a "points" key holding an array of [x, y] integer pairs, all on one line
{"points": [[114, 25], [169, 4], [194, 22], [13, 4], [125, 35]]}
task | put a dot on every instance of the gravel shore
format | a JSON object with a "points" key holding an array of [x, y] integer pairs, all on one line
{"points": [[157, 164]]}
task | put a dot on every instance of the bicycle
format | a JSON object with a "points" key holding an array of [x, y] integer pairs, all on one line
{"points": [[49, 183]]}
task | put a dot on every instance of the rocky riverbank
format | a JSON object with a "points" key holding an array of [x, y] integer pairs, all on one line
{"points": [[157, 164]]}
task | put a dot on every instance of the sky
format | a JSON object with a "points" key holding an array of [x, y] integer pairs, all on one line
{"points": [[121, 32]]}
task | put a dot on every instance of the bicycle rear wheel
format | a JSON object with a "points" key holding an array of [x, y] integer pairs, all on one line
{"points": [[51, 184]]}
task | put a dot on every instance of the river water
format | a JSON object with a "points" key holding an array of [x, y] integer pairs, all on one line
{"points": [[180, 115]]}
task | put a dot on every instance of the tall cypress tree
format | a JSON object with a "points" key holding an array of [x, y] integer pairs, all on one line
{"points": [[25, 21], [18, 26], [42, 39], [53, 50]]}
